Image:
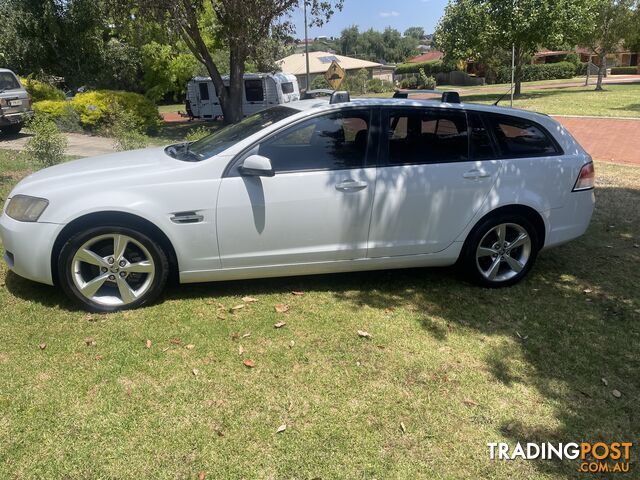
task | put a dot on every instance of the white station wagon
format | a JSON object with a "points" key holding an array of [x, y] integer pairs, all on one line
{"points": [[313, 187]]}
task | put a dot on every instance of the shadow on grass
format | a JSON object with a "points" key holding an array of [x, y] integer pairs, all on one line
{"points": [[574, 321]]}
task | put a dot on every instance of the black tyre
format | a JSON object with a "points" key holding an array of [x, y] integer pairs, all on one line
{"points": [[112, 268], [12, 129], [500, 251]]}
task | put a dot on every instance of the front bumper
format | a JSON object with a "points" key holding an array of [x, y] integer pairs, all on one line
{"points": [[7, 119], [28, 247]]}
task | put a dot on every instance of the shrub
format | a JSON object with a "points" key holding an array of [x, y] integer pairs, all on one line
{"points": [[538, 71], [47, 145], [624, 70], [409, 82], [430, 68], [425, 81], [126, 131], [40, 90], [97, 108], [51, 108], [197, 133], [319, 82], [61, 112], [376, 85]]}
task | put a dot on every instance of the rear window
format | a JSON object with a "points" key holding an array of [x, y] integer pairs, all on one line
{"points": [[8, 81], [521, 138], [287, 87]]}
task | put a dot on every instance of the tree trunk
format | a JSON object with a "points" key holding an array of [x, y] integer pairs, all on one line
{"points": [[232, 103], [601, 69], [517, 73]]}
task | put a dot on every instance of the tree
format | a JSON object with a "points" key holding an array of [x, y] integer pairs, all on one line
{"points": [[241, 26], [415, 32], [606, 28], [477, 29], [348, 40]]}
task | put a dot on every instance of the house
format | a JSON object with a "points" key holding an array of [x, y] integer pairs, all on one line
{"points": [[319, 63], [620, 58], [427, 57]]}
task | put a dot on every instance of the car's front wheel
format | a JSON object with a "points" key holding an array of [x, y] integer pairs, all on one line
{"points": [[112, 268], [12, 129], [501, 251]]}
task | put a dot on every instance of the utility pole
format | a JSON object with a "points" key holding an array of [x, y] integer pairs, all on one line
{"points": [[306, 44]]}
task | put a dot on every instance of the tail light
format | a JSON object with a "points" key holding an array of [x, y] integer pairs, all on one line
{"points": [[586, 178]]}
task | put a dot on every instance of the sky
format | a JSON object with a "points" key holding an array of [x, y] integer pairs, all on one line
{"points": [[377, 14]]}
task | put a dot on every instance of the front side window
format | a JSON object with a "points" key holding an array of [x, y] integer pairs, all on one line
{"points": [[329, 142], [253, 90], [427, 136], [521, 138]]}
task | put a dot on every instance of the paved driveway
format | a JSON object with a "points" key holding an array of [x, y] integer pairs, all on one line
{"points": [[79, 144]]}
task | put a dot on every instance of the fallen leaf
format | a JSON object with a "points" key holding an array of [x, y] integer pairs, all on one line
{"points": [[616, 393], [357, 364], [587, 290], [510, 427], [470, 403], [636, 245], [99, 357], [220, 316], [90, 342], [521, 337], [281, 307], [403, 428], [195, 372], [249, 299], [235, 335], [246, 335], [42, 346], [364, 334], [291, 344], [248, 363], [605, 382], [237, 307], [280, 324], [190, 346], [202, 476], [147, 344], [175, 341], [389, 310], [297, 294], [281, 428], [240, 350]]}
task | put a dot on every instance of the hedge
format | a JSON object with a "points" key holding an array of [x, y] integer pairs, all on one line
{"points": [[96, 108], [430, 68], [538, 71], [624, 70], [40, 90]]}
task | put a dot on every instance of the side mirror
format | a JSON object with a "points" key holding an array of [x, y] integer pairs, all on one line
{"points": [[257, 166]]}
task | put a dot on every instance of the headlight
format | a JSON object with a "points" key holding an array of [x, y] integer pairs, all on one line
{"points": [[25, 208]]}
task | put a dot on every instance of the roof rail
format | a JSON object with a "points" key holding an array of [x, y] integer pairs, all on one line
{"points": [[337, 96], [447, 96]]}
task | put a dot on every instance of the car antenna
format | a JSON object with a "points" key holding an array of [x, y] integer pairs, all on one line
{"points": [[495, 104]]}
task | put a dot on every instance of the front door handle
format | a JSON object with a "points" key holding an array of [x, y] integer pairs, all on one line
{"points": [[351, 186], [476, 174]]}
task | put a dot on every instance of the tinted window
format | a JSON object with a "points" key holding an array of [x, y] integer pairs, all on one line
{"points": [[427, 136], [8, 81], [287, 87], [227, 136], [520, 138], [481, 144], [253, 90], [329, 142], [204, 91]]}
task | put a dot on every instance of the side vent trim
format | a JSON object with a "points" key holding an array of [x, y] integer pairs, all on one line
{"points": [[187, 217]]}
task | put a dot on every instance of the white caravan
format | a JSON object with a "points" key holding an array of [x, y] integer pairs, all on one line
{"points": [[261, 90]]}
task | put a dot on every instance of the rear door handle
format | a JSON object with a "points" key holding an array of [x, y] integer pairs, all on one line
{"points": [[351, 186], [476, 174]]}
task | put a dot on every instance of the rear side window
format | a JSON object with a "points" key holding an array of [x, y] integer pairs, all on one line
{"points": [[427, 136], [521, 138], [253, 90], [287, 87]]}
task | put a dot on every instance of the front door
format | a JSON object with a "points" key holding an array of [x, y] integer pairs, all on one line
{"points": [[428, 189], [317, 206]]}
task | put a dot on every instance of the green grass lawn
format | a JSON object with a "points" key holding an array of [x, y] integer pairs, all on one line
{"points": [[614, 101], [448, 368]]}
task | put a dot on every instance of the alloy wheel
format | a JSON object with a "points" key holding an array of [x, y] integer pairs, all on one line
{"points": [[503, 252]]}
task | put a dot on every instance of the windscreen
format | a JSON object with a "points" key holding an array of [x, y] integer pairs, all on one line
{"points": [[8, 81], [231, 134]]}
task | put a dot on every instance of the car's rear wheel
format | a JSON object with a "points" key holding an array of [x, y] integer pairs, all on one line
{"points": [[12, 129], [501, 251], [112, 268]]}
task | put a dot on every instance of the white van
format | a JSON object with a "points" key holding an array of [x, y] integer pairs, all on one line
{"points": [[261, 90]]}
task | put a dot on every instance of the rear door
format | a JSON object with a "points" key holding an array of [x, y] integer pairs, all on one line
{"points": [[436, 172], [206, 93]]}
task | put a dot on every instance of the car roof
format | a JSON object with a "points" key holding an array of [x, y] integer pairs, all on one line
{"points": [[6, 70]]}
